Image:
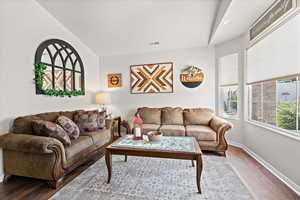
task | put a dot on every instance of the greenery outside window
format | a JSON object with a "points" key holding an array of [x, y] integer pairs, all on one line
{"points": [[229, 101], [228, 86], [276, 103]]}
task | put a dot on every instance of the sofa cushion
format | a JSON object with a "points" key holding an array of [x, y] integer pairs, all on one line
{"points": [[69, 114], [50, 129], [198, 116], [150, 127], [23, 125], [79, 149], [172, 130], [69, 126], [48, 116], [99, 137], [87, 121], [172, 116], [150, 115], [202, 133]]}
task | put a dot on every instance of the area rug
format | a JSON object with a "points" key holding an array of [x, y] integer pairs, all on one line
{"points": [[156, 179]]}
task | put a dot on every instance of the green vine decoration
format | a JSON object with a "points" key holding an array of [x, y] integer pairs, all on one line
{"points": [[39, 81]]}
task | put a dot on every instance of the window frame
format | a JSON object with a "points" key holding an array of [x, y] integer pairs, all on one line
{"points": [[60, 46], [286, 132], [221, 113], [220, 86]]}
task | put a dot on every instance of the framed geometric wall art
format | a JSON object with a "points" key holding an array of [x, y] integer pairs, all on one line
{"points": [[151, 78], [191, 77], [114, 80]]}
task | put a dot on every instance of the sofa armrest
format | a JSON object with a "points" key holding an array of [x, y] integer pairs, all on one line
{"points": [[30, 143], [128, 124], [220, 126], [109, 123]]}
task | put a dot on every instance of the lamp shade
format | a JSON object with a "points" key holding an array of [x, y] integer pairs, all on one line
{"points": [[103, 98]]}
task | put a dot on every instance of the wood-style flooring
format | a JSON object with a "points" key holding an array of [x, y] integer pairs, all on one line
{"points": [[259, 181]]}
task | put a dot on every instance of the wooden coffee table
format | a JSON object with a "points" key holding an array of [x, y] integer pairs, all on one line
{"points": [[184, 148]]}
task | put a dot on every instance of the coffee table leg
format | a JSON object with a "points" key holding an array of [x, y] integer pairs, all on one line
{"points": [[125, 160], [108, 165], [193, 165], [199, 172]]}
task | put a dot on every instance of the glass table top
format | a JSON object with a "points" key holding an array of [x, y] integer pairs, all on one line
{"points": [[167, 143]]}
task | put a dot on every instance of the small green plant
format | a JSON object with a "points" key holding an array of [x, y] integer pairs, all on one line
{"points": [[39, 81], [287, 116], [39, 75]]}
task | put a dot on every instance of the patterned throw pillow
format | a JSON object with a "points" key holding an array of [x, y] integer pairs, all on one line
{"points": [[101, 120], [50, 129], [87, 121], [69, 126]]}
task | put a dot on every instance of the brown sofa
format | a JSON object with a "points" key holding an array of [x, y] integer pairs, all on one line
{"points": [[201, 123], [28, 155]]}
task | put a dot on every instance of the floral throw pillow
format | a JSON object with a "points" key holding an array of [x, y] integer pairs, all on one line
{"points": [[101, 120], [87, 121], [69, 126], [50, 129]]}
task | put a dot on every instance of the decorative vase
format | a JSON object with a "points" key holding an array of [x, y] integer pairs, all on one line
{"points": [[138, 128]]}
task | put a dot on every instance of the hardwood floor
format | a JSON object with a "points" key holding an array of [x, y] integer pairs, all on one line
{"points": [[260, 182]]}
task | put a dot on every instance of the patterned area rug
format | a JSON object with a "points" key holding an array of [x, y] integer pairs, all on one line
{"points": [[156, 179]]}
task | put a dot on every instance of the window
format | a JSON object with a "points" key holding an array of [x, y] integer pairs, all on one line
{"points": [[276, 103], [228, 88], [229, 102], [273, 74], [64, 70]]}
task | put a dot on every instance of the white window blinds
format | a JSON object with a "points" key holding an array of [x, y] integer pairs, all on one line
{"points": [[277, 55], [228, 66]]}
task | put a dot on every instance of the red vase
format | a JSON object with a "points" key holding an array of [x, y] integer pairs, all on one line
{"points": [[137, 128]]}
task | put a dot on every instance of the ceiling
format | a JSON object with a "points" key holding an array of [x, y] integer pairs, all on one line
{"points": [[113, 27], [236, 19]]}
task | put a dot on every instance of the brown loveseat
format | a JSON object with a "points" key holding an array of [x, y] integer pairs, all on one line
{"points": [[201, 123], [25, 154]]}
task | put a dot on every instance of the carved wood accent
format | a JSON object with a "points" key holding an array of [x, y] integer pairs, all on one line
{"points": [[222, 143], [57, 170], [155, 153], [6, 178], [55, 184]]}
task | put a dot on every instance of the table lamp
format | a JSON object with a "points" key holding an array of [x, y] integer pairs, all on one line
{"points": [[103, 98]]}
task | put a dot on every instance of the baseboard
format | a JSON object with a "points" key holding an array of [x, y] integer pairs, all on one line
{"points": [[1, 178], [236, 144], [269, 167]]}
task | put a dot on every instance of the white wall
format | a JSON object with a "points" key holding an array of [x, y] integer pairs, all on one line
{"points": [[232, 47], [24, 25], [126, 103], [278, 151]]}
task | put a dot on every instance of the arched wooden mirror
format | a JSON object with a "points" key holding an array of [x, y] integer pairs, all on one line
{"points": [[64, 68]]}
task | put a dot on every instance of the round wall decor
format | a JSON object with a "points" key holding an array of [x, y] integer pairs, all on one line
{"points": [[191, 77]]}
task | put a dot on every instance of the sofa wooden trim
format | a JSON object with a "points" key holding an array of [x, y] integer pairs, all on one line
{"points": [[38, 146]]}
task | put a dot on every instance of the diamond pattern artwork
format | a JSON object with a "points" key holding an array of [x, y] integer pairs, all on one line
{"points": [[151, 78], [59, 80], [47, 84], [69, 80]]}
